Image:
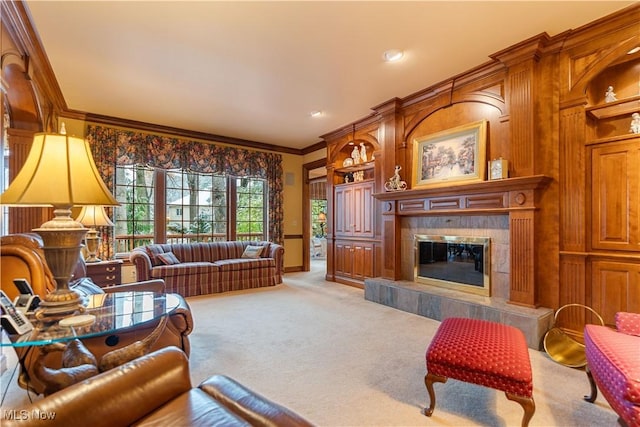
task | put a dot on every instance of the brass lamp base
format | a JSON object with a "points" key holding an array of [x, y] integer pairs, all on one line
{"points": [[93, 241], [62, 238]]}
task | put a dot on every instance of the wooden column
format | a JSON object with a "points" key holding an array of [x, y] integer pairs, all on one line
{"points": [[394, 147], [522, 248]]}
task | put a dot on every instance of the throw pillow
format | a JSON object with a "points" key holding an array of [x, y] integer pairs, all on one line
{"points": [[153, 252], [168, 258], [252, 251]]}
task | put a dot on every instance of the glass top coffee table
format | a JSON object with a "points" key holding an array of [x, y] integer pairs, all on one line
{"points": [[105, 314]]}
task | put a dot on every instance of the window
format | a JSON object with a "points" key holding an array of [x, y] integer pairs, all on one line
{"points": [[250, 209], [197, 207], [134, 219]]}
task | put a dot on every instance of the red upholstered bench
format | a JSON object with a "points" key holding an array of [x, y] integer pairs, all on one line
{"points": [[481, 352]]}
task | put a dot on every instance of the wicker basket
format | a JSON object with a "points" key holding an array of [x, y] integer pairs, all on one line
{"points": [[561, 347]]}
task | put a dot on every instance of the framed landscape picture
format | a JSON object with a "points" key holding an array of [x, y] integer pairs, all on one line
{"points": [[454, 156]]}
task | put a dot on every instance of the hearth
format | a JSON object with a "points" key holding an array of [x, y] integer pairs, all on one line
{"points": [[454, 262]]}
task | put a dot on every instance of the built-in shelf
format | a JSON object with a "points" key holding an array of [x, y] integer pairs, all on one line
{"points": [[613, 139], [353, 182], [615, 108], [356, 168]]}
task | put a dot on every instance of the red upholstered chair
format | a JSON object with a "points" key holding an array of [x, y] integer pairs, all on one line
{"points": [[613, 365]]}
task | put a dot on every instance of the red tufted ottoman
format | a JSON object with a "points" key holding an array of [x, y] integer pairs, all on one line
{"points": [[481, 352]]}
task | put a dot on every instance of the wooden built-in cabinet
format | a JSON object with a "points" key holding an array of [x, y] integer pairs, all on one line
{"points": [[352, 236], [613, 192], [614, 167]]}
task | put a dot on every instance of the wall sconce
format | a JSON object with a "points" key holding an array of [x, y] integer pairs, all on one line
{"points": [[92, 217], [59, 172]]}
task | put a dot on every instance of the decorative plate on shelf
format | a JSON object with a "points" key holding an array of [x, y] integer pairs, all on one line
{"points": [[347, 162]]}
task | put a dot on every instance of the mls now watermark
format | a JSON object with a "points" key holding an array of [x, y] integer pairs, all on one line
{"points": [[18, 415]]}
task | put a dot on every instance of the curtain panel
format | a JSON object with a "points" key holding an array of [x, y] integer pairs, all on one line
{"points": [[111, 147]]}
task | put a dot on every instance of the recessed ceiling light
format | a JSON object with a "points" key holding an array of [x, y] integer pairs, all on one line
{"points": [[634, 50], [316, 113], [392, 55]]}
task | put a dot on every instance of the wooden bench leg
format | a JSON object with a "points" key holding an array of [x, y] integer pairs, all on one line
{"points": [[527, 404], [594, 389], [429, 379]]}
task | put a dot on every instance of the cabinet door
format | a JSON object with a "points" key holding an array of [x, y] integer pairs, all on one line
{"points": [[343, 259], [362, 261], [363, 212], [343, 224], [615, 287], [615, 177]]}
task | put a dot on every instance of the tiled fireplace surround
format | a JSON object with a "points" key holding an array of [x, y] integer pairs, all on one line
{"points": [[439, 303]]}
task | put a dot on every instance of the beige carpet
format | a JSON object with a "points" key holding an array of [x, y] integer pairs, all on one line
{"points": [[320, 349]]}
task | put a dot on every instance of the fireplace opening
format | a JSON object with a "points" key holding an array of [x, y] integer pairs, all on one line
{"points": [[454, 262]]}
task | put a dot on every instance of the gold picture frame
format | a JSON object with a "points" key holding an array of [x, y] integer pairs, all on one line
{"points": [[452, 157]]}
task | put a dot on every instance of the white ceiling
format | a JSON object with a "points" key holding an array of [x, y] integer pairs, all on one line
{"points": [[255, 70]]}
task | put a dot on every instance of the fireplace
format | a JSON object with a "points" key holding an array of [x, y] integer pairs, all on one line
{"points": [[454, 262], [502, 210]]}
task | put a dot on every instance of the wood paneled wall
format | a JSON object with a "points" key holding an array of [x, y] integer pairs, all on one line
{"points": [[537, 97]]}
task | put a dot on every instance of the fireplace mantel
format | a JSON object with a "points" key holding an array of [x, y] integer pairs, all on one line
{"points": [[515, 197], [499, 196]]}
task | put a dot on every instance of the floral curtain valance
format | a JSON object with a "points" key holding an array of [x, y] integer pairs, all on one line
{"points": [[111, 147]]}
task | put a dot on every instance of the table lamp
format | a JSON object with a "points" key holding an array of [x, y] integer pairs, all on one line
{"points": [[59, 172], [92, 217], [322, 220]]}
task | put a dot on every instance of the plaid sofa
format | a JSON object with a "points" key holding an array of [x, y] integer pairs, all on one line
{"points": [[209, 267]]}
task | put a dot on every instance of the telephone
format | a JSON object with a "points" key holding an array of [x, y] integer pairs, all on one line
{"points": [[13, 320], [26, 301]]}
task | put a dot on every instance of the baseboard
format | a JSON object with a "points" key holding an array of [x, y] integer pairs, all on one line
{"points": [[293, 269]]}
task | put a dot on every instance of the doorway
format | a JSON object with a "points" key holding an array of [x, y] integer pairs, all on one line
{"points": [[315, 216]]}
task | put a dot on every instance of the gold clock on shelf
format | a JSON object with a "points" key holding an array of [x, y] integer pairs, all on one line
{"points": [[498, 169]]}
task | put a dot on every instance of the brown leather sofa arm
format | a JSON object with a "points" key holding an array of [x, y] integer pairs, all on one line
{"points": [[117, 397], [250, 406]]}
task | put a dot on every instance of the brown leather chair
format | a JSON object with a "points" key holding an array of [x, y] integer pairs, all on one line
{"points": [[21, 256], [155, 390]]}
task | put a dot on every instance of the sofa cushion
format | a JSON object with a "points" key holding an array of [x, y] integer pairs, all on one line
{"points": [[183, 269], [252, 251], [168, 258], [244, 263]]}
